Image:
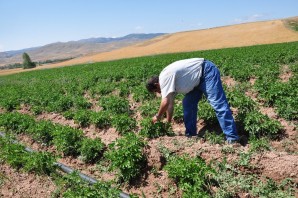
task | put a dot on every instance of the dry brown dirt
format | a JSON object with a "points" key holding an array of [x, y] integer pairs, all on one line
{"points": [[266, 32], [21, 185]]}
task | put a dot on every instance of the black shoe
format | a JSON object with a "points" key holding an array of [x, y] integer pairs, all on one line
{"points": [[190, 135], [242, 141], [232, 141]]}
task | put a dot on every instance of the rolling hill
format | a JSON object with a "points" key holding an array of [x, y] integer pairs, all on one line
{"points": [[73, 49], [248, 34]]}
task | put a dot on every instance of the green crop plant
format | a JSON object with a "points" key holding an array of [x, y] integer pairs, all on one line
{"points": [[140, 93], [214, 138], [154, 130], [114, 104], [81, 103], [101, 119], [69, 114], [149, 108], [16, 156], [191, 174], [82, 117], [40, 163], [270, 188], [237, 99], [124, 123], [126, 155], [13, 154], [259, 125], [244, 159], [73, 186], [178, 113], [91, 150], [67, 140], [259, 145], [16, 122], [42, 131], [102, 88], [207, 113]]}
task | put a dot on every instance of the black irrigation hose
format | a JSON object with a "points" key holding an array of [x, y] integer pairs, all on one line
{"points": [[69, 170]]}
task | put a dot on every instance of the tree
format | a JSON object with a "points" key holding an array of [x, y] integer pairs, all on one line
{"points": [[27, 63]]}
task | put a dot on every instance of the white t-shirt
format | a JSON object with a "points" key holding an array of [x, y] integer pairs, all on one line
{"points": [[181, 76]]}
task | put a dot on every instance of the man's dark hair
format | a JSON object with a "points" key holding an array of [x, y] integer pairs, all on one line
{"points": [[151, 83]]}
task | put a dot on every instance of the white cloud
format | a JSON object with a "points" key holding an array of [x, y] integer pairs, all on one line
{"points": [[251, 18], [138, 28], [194, 26]]}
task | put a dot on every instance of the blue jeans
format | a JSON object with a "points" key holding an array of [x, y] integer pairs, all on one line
{"points": [[211, 86]]}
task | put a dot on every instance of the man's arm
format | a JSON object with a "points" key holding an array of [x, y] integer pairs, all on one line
{"points": [[166, 106]]}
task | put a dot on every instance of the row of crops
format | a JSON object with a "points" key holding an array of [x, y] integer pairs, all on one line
{"points": [[118, 89]]}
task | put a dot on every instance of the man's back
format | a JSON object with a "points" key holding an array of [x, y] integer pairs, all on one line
{"points": [[181, 76]]}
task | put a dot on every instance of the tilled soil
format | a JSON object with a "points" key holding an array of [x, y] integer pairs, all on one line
{"points": [[279, 163], [274, 164], [22, 185]]}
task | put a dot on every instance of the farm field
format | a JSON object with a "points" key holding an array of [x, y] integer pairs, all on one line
{"points": [[96, 118]]}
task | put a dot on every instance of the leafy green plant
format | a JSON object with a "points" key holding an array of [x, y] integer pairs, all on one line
{"points": [[36, 110], [14, 154], [178, 114], [101, 119], [259, 145], [42, 131], [81, 103], [244, 159], [10, 103], [69, 114], [123, 123], [270, 188], [126, 155], [103, 88], [259, 125], [67, 140], [207, 113], [140, 93], [82, 117], [73, 186], [214, 138], [114, 104], [91, 150], [230, 180], [237, 99], [149, 108], [16, 122], [154, 130], [191, 174], [40, 163], [61, 104], [17, 157]]}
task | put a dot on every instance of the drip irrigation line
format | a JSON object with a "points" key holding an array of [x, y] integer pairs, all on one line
{"points": [[69, 170]]}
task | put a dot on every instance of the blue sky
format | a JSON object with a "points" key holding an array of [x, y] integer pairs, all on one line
{"points": [[31, 23]]}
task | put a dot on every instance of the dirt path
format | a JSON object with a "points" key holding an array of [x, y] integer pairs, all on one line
{"points": [[23, 185]]}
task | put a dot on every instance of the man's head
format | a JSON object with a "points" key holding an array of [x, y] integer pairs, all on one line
{"points": [[152, 84]]}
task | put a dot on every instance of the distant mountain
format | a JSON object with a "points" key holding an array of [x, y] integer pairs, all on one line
{"points": [[72, 49]]}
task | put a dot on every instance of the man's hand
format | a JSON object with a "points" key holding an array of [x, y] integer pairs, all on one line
{"points": [[166, 106], [155, 119]]}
